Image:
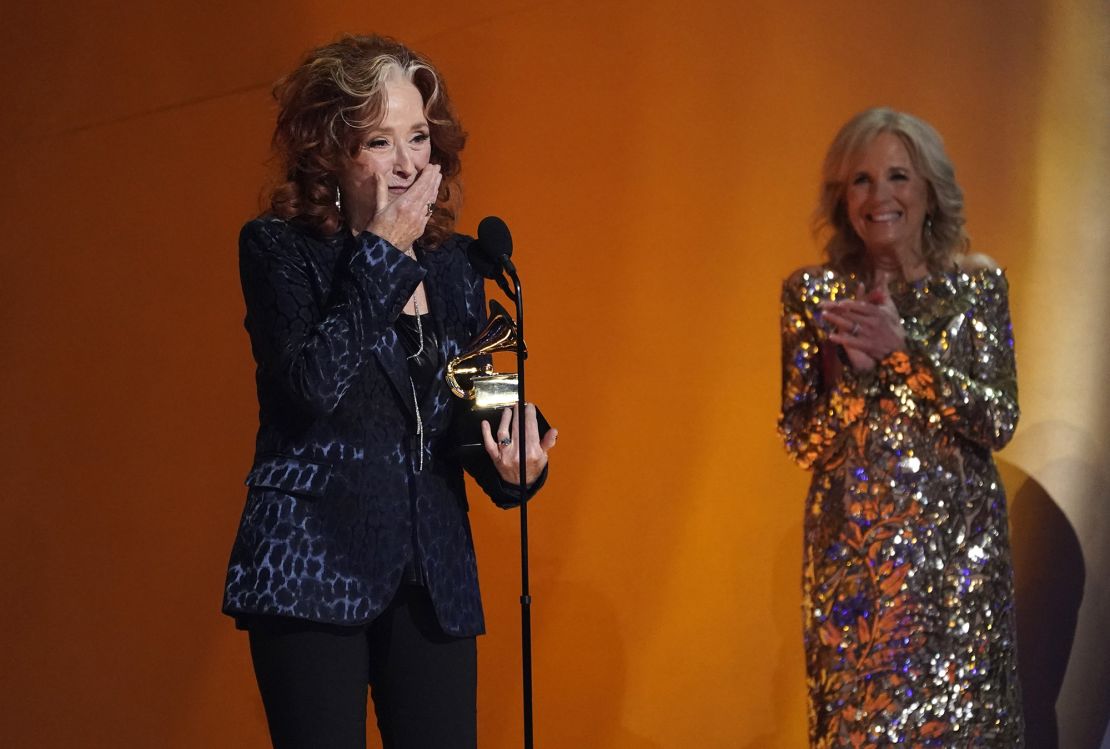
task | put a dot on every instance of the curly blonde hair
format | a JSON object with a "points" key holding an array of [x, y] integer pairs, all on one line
{"points": [[943, 236], [329, 101]]}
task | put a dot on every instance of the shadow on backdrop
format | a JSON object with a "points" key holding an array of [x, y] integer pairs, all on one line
{"points": [[1049, 577]]}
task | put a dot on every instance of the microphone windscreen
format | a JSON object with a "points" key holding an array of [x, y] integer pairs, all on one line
{"points": [[494, 238]]}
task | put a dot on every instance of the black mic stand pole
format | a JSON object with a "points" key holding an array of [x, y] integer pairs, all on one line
{"points": [[525, 598]]}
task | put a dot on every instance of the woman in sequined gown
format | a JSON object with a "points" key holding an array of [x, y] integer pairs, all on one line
{"points": [[898, 383]]}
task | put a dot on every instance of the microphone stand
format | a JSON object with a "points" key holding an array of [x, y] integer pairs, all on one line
{"points": [[525, 597]]}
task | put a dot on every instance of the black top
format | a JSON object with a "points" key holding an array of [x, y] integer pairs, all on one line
{"points": [[423, 361], [422, 365]]}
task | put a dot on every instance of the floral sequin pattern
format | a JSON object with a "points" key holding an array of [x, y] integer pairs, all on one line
{"points": [[908, 592]]}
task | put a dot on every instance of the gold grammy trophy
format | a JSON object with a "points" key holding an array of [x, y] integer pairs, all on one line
{"points": [[485, 393]]}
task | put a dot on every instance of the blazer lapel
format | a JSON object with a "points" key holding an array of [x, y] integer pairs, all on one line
{"points": [[437, 400], [391, 352]]}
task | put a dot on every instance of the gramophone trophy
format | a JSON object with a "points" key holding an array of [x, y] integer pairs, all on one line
{"points": [[485, 393]]}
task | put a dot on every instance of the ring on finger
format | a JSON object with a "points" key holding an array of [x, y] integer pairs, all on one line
{"points": [[855, 328], [506, 441]]}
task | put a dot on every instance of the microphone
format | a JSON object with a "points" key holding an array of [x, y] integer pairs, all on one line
{"points": [[493, 248]]}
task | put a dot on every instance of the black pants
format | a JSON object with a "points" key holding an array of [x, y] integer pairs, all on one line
{"points": [[313, 679]]}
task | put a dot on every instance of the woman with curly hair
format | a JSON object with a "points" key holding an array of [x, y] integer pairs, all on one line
{"points": [[353, 566], [898, 383]]}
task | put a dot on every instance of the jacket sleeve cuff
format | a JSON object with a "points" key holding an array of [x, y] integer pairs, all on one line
{"points": [[507, 495]]}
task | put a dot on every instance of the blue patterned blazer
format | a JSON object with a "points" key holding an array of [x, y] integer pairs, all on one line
{"points": [[334, 493]]}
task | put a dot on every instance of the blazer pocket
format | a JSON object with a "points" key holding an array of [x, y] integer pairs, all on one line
{"points": [[290, 475]]}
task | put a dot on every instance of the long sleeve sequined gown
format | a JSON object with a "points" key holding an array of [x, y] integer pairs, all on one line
{"points": [[908, 593]]}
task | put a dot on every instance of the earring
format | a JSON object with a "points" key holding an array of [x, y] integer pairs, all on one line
{"points": [[338, 199], [928, 224]]}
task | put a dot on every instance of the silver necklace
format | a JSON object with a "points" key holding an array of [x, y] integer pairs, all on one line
{"points": [[415, 400], [419, 327]]}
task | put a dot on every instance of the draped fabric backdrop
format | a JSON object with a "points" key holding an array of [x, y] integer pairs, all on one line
{"points": [[657, 162]]}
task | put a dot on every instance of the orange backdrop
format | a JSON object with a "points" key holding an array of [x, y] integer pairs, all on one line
{"points": [[657, 162]]}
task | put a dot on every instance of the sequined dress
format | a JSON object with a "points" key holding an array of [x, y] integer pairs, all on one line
{"points": [[908, 592]]}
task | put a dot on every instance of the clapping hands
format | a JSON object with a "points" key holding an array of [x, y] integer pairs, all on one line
{"points": [[869, 326]]}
